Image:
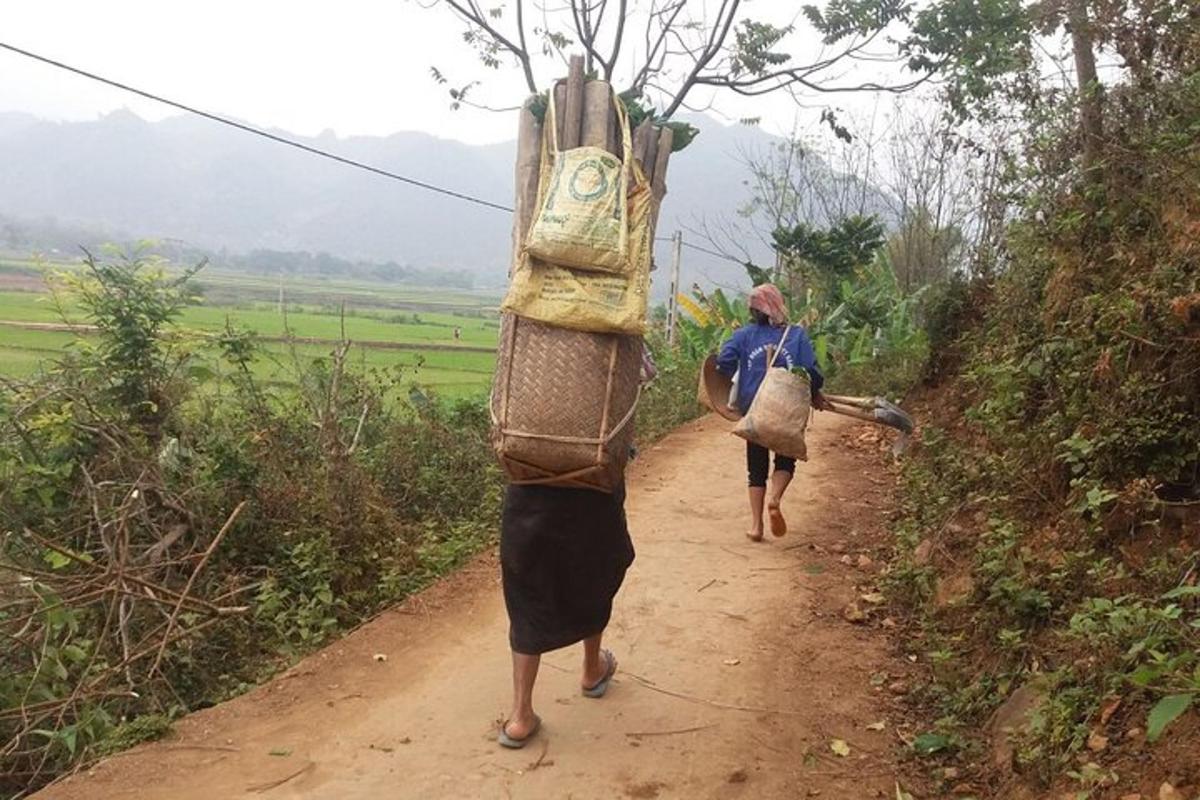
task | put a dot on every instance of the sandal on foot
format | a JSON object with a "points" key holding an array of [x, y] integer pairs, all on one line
{"points": [[778, 523], [601, 686], [512, 742]]}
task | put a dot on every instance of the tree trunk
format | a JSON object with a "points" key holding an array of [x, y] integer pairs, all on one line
{"points": [[1091, 114]]}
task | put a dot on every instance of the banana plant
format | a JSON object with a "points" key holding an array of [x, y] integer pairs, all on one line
{"points": [[710, 319], [871, 318]]}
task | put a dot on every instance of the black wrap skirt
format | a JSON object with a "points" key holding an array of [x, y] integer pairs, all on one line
{"points": [[563, 556]]}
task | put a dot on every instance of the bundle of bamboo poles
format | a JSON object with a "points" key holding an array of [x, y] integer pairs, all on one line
{"points": [[585, 118], [563, 401]]}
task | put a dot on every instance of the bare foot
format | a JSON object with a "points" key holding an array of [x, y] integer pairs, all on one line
{"points": [[778, 523], [754, 536]]}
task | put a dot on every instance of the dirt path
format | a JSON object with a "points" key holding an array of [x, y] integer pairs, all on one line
{"points": [[737, 668]]}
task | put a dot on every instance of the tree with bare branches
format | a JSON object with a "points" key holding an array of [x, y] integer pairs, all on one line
{"points": [[925, 177], [667, 49]]}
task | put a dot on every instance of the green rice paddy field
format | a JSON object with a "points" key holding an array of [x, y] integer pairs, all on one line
{"points": [[390, 326]]}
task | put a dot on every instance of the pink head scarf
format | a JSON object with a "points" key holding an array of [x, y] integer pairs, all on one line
{"points": [[768, 299]]}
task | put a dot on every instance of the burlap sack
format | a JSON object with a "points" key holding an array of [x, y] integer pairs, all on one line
{"points": [[584, 300], [779, 414], [582, 219]]}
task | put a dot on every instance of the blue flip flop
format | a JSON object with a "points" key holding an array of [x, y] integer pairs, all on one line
{"points": [[601, 686], [512, 742]]}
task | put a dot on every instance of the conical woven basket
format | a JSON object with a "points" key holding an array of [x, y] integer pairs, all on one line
{"points": [[563, 404], [713, 391]]}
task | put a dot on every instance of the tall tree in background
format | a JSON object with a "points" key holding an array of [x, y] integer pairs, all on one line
{"points": [[1091, 101], [918, 174], [992, 56], [825, 258], [986, 49], [922, 251], [934, 184]]}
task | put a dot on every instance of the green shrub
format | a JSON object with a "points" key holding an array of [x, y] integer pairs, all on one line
{"points": [[671, 399], [172, 530]]}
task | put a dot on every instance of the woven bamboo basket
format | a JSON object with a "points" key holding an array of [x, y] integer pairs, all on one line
{"points": [[563, 404]]}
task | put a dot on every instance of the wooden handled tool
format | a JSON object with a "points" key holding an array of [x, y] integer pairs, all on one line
{"points": [[877, 410]]}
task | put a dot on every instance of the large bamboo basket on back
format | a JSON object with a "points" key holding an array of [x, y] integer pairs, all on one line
{"points": [[563, 401]]}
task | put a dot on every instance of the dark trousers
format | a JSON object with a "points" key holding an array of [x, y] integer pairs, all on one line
{"points": [[758, 463]]}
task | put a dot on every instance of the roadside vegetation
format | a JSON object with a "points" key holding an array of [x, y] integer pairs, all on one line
{"points": [[1050, 532], [174, 528]]}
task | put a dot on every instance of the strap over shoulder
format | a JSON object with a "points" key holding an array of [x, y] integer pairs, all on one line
{"points": [[787, 329]]}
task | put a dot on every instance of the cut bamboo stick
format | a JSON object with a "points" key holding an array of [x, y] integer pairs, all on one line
{"points": [[529, 156], [651, 153], [573, 108], [614, 136], [660, 164], [641, 144], [560, 112], [597, 111]]}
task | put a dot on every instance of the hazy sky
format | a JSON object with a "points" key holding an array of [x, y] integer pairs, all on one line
{"points": [[355, 66]]}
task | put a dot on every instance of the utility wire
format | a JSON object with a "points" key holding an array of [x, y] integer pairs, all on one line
{"points": [[698, 248], [293, 143], [712, 252], [257, 131]]}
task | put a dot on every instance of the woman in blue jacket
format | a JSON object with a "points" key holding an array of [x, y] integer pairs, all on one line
{"points": [[745, 353]]}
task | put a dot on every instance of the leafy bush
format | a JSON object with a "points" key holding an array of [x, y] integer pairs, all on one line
{"points": [[172, 530], [670, 400], [947, 311]]}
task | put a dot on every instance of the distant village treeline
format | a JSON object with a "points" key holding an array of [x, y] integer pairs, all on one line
{"points": [[59, 240]]}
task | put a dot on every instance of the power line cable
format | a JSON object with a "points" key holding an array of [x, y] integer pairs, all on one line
{"points": [[256, 131], [714, 253], [293, 143]]}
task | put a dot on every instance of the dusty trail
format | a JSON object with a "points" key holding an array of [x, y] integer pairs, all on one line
{"points": [[738, 669]]}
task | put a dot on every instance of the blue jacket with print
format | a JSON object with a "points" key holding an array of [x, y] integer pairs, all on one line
{"points": [[746, 354]]}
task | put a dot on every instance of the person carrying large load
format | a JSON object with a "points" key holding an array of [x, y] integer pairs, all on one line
{"points": [[568, 376]]}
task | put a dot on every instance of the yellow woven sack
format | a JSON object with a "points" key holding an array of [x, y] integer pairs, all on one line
{"points": [[581, 219], [591, 301]]}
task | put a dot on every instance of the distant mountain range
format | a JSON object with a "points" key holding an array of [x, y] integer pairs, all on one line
{"points": [[214, 187]]}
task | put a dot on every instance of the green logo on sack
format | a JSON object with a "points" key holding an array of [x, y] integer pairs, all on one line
{"points": [[589, 181]]}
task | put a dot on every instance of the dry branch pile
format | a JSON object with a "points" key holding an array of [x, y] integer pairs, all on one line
{"points": [[96, 613]]}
